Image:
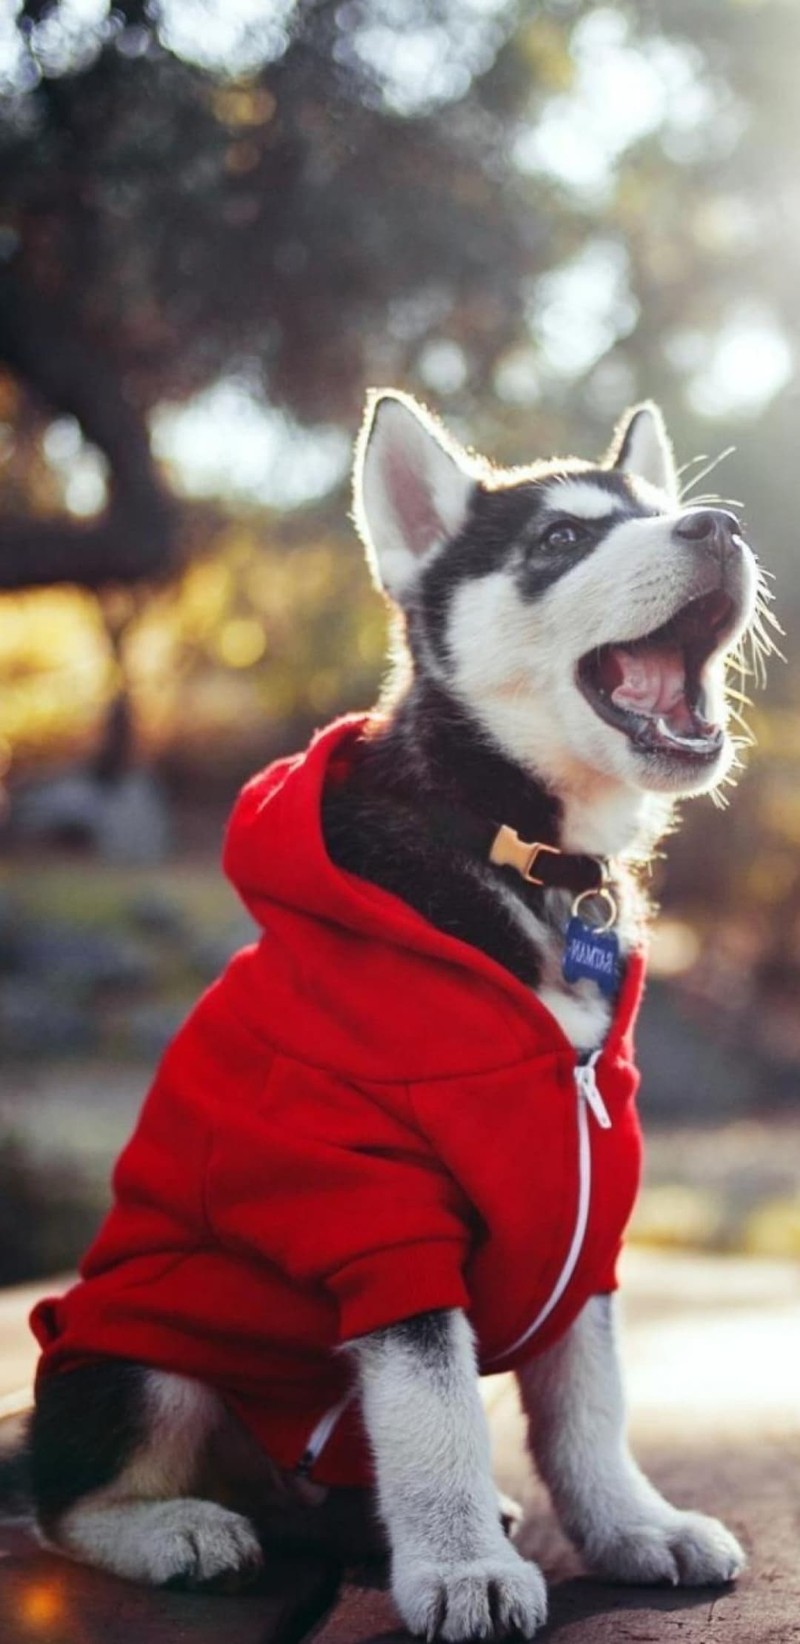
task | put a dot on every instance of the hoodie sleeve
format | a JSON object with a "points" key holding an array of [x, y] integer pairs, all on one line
{"points": [[334, 1186]]}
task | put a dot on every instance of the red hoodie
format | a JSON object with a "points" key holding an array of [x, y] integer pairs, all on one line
{"points": [[362, 1119]]}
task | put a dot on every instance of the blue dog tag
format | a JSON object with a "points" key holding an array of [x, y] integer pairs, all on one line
{"points": [[591, 953]]}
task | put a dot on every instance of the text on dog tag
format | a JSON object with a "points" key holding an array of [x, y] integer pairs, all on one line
{"points": [[591, 953]]}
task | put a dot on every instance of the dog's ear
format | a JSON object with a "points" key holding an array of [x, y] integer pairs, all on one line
{"points": [[641, 446], [412, 486]]}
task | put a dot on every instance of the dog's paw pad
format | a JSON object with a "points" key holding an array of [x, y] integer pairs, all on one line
{"points": [[206, 1546], [484, 1598], [682, 1549], [705, 1552]]}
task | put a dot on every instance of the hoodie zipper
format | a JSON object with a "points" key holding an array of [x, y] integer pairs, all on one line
{"points": [[589, 1100]]}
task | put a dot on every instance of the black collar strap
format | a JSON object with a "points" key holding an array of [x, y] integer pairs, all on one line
{"points": [[535, 862], [546, 865]]}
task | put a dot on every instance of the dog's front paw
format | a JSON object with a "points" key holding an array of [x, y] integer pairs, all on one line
{"points": [[199, 1544], [479, 1598], [684, 1549]]}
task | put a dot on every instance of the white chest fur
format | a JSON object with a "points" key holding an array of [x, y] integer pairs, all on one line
{"points": [[582, 1010]]}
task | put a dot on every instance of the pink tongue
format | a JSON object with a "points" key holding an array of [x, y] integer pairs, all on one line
{"points": [[652, 681]]}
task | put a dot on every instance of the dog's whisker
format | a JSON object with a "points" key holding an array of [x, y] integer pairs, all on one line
{"points": [[713, 463], [734, 714], [765, 641], [712, 499], [691, 463], [769, 616]]}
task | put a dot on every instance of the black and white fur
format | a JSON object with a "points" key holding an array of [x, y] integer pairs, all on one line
{"points": [[501, 583]]}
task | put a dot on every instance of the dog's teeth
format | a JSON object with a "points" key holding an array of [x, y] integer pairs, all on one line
{"points": [[682, 741]]}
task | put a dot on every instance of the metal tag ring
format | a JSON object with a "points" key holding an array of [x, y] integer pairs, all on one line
{"points": [[605, 896]]}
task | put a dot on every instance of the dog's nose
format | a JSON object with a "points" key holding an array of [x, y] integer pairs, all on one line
{"points": [[714, 528]]}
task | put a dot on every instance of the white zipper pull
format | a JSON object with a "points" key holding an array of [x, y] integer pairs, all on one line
{"points": [[588, 1088], [318, 1439]]}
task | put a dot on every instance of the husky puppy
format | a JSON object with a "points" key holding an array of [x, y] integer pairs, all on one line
{"points": [[562, 633]]}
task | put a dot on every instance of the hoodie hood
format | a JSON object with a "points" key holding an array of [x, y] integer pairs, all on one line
{"points": [[349, 967]]}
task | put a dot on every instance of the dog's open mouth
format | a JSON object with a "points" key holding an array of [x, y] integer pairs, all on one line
{"points": [[652, 688]]}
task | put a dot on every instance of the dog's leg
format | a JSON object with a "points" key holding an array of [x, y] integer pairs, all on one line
{"points": [[116, 1451], [454, 1574], [624, 1528]]}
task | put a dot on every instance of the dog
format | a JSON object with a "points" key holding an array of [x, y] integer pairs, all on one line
{"points": [[396, 1145]]}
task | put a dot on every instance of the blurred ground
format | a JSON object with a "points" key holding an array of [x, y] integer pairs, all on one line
{"points": [[711, 1347]]}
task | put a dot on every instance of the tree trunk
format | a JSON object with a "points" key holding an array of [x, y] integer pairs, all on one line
{"points": [[134, 539]]}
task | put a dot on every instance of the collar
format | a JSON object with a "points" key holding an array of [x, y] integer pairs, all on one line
{"points": [[536, 862]]}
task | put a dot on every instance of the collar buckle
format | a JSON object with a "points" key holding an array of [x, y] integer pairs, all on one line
{"points": [[509, 851], [559, 870]]}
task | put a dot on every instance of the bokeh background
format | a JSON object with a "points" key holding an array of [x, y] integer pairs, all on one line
{"points": [[220, 221]]}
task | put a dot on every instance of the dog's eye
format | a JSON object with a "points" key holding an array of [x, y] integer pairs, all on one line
{"points": [[564, 533]]}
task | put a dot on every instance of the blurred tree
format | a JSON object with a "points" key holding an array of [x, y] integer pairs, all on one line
{"points": [[328, 191], [165, 226], [529, 213], [564, 204]]}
